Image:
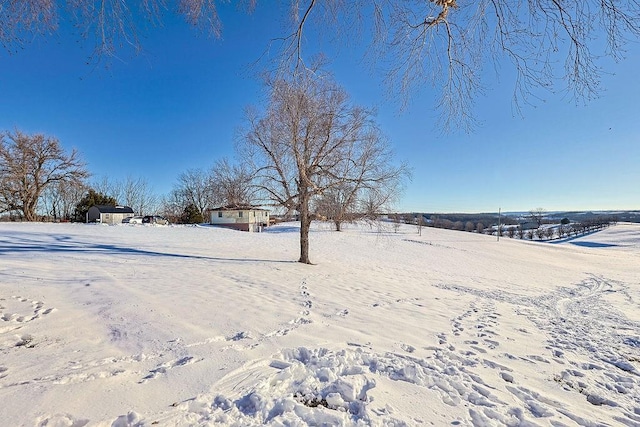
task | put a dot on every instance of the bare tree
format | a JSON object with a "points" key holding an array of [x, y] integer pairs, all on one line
{"points": [[550, 232], [537, 215], [310, 141], [376, 200], [172, 206], [349, 202], [195, 187], [337, 204], [109, 187], [138, 195], [396, 222], [562, 231], [231, 183], [133, 192], [59, 200], [446, 44], [28, 165]]}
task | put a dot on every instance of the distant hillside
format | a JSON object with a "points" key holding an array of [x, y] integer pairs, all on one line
{"points": [[620, 216], [511, 218]]}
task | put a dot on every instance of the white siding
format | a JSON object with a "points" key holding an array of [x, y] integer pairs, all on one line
{"points": [[251, 220]]}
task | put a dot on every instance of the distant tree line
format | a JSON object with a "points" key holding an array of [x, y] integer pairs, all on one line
{"points": [[545, 229], [453, 221], [41, 181], [554, 231], [197, 191]]}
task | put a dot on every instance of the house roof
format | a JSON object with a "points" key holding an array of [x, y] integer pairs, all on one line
{"points": [[113, 209], [239, 208]]}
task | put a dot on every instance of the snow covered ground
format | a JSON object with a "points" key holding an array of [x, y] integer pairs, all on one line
{"points": [[144, 325]]}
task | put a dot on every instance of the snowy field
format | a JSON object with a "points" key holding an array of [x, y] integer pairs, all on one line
{"points": [[178, 326]]}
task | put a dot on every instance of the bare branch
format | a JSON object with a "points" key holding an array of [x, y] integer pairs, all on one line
{"points": [[446, 45]]}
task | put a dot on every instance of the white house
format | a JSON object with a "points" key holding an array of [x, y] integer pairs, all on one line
{"points": [[108, 214], [240, 217]]}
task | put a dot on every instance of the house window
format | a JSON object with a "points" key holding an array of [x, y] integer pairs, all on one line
{"points": [[240, 214], [220, 214]]}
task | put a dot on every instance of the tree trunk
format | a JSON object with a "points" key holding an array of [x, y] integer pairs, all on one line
{"points": [[29, 211], [29, 216], [305, 223]]}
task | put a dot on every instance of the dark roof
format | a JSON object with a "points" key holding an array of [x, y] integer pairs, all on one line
{"points": [[239, 208], [113, 209]]}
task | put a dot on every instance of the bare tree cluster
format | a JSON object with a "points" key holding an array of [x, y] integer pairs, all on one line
{"points": [[173, 208], [446, 44], [197, 191], [38, 180], [194, 190], [136, 193], [31, 165], [562, 230], [311, 145], [59, 200]]}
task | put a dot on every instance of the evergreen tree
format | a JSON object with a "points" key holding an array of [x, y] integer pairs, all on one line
{"points": [[92, 198], [191, 215]]}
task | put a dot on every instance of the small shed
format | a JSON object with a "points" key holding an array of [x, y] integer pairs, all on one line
{"points": [[107, 214], [240, 217]]}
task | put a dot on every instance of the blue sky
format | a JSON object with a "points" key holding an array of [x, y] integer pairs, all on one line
{"points": [[179, 104]]}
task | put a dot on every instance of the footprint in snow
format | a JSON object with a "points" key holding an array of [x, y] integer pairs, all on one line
{"points": [[243, 335], [22, 310], [165, 367], [408, 348], [61, 420]]}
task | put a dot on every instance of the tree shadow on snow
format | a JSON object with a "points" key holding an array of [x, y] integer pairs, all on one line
{"points": [[585, 244], [16, 243], [593, 244], [570, 239], [282, 229]]}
